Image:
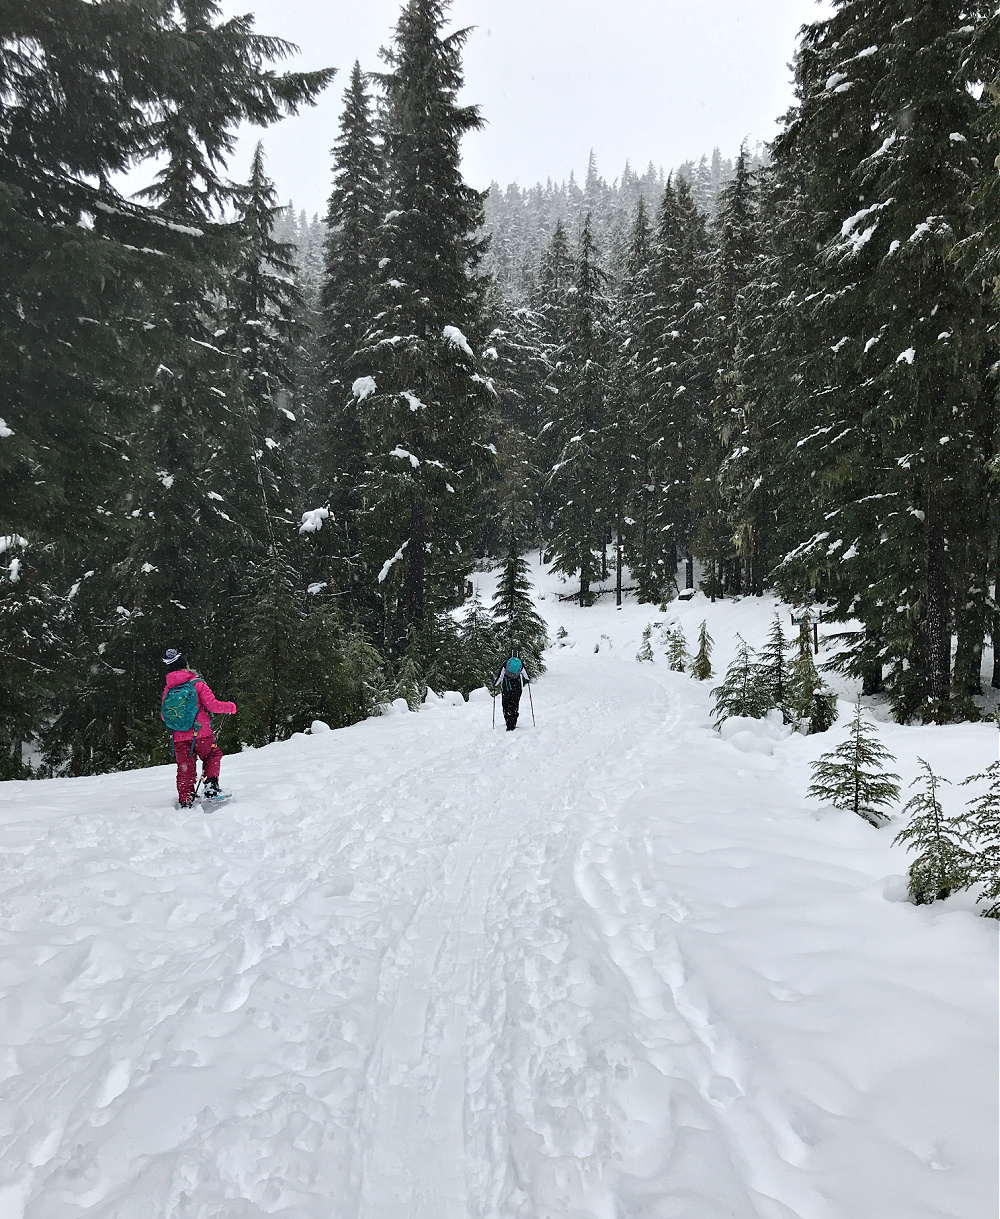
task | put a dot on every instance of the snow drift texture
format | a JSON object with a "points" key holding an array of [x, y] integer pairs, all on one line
{"points": [[419, 969]]}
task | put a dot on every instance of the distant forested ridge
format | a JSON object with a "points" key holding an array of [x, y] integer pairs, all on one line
{"points": [[280, 443]]}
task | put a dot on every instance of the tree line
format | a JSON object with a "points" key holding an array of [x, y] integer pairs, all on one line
{"points": [[288, 468]]}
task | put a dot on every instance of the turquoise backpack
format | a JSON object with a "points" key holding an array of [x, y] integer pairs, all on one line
{"points": [[513, 666], [179, 710]]}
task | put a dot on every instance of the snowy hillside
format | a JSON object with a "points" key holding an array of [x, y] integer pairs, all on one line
{"points": [[612, 966]]}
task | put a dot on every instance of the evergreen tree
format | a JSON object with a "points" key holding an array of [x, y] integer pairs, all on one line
{"points": [[701, 666], [517, 358], [352, 217], [645, 651], [518, 624], [425, 397], [853, 777], [263, 333], [410, 683], [980, 827], [624, 449], [269, 665], [677, 653], [551, 301], [677, 383], [81, 265], [774, 671], [735, 264], [336, 462], [894, 417], [577, 479], [742, 692], [479, 646], [808, 696], [181, 553], [295, 663], [942, 863]]}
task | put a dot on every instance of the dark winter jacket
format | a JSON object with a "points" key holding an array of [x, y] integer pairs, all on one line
{"points": [[207, 702]]}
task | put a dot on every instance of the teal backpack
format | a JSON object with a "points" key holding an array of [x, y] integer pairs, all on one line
{"points": [[513, 666], [179, 709]]}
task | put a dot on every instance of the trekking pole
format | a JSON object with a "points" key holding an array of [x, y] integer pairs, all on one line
{"points": [[531, 703], [494, 712]]}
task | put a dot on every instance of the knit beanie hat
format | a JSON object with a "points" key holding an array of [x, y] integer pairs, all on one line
{"points": [[172, 657]]}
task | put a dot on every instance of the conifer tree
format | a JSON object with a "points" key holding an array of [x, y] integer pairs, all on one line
{"points": [[808, 696], [410, 683], [677, 653], [264, 329], [577, 479], [182, 554], [295, 663], [701, 666], [645, 651], [363, 676], [892, 412], [735, 264], [267, 670], [742, 692], [336, 463], [479, 646], [943, 864], [677, 385], [774, 671], [423, 395], [853, 777], [518, 623], [980, 827], [352, 217], [551, 302], [625, 450]]}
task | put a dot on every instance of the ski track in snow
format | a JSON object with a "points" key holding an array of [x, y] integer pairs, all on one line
{"points": [[421, 969]]}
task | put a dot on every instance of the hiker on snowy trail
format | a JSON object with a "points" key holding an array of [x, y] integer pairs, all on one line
{"points": [[185, 708], [512, 677]]}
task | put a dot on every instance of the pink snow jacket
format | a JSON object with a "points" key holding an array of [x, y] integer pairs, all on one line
{"points": [[206, 702]]}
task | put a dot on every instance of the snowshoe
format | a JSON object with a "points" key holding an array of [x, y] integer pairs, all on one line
{"points": [[210, 802]]}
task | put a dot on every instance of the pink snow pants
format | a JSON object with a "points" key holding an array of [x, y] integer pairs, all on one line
{"points": [[187, 764]]}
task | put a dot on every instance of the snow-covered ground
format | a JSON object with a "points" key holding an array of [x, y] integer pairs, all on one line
{"points": [[613, 967]]}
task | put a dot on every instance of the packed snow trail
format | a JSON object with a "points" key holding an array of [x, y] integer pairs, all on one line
{"points": [[422, 969]]}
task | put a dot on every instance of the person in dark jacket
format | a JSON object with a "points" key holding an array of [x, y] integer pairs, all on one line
{"points": [[511, 678], [197, 742]]}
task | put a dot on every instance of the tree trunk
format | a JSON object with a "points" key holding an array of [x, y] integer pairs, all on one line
{"points": [[995, 633], [938, 618], [618, 563], [871, 679], [414, 590], [969, 657]]}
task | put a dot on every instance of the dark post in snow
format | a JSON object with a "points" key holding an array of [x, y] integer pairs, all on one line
{"points": [[689, 571], [618, 562]]}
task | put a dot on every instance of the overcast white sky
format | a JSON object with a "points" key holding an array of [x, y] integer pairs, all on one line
{"points": [[643, 80]]}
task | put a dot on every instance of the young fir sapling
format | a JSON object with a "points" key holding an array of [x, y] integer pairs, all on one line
{"points": [[410, 683], [677, 653], [809, 697], [981, 825], [741, 692], [852, 775], [701, 666], [645, 651], [774, 673], [943, 863]]}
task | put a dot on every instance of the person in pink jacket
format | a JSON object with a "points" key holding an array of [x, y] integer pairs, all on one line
{"points": [[191, 745]]}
